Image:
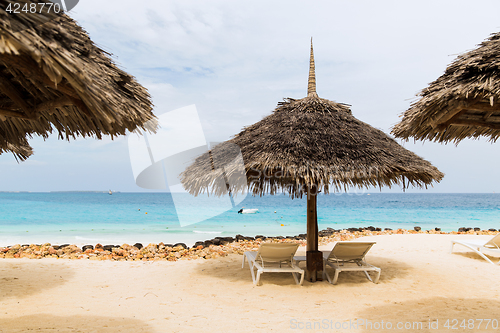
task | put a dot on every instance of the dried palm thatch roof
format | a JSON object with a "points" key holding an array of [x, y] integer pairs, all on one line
{"points": [[54, 78], [20, 152], [462, 103], [309, 143]]}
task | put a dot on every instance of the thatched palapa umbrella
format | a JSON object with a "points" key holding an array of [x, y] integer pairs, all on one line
{"points": [[307, 146], [462, 103], [53, 77], [21, 152]]}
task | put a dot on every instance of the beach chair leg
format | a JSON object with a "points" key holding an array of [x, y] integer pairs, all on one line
{"points": [[451, 248], [368, 276], [360, 264], [377, 277], [252, 271], [256, 282], [335, 277], [295, 278], [243, 263], [484, 256], [325, 273], [253, 276], [302, 278]]}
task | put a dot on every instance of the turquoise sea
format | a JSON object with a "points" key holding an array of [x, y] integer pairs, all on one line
{"points": [[91, 217]]}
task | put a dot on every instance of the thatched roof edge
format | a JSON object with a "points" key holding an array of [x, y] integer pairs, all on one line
{"points": [[54, 78], [344, 153], [462, 103]]}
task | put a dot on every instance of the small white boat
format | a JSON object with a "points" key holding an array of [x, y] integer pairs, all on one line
{"points": [[110, 192], [248, 211]]}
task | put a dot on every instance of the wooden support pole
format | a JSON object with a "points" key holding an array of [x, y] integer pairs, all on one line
{"points": [[444, 117], [451, 117], [465, 122], [42, 107], [14, 114], [488, 115], [50, 105], [314, 258], [312, 223]]}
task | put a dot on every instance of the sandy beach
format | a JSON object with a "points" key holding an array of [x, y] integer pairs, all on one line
{"points": [[420, 282]]}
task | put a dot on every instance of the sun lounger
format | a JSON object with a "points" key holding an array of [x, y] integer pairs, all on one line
{"points": [[349, 256], [273, 258], [478, 246]]}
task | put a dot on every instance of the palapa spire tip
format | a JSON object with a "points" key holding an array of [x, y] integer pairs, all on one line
{"points": [[311, 85]]}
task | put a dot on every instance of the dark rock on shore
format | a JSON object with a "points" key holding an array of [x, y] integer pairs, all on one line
{"points": [[225, 240], [199, 243], [138, 245], [243, 238], [181, 251], [85, 247], [417, 228]]}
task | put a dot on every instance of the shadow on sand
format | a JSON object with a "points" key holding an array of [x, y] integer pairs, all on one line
{"points": [[436, 314], [51, 323], [473, 255], [230, 269], [21, 278]]}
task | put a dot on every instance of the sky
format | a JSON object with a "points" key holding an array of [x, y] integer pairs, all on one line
{"points": [[235, 60]]}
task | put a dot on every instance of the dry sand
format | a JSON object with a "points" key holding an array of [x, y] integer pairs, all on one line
{"points": [[420, 282]]}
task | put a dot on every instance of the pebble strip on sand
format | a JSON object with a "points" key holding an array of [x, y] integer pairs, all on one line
{"points": [[211, 249]]}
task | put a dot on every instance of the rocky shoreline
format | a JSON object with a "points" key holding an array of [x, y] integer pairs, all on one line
{"points": [[209, 249]]}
